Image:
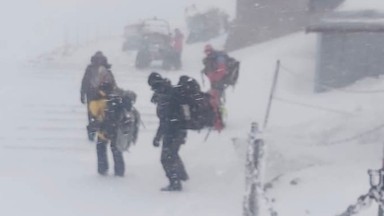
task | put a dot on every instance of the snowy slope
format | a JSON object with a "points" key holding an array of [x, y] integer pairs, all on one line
{"points": [[303, 142], [49, 167]]}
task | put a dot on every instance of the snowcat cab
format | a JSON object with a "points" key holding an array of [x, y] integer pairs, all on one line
{"points": [[155, 44], [203, 26]]}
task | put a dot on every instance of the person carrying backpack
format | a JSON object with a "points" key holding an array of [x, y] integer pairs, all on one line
{"points": [[96, 72], [215, 68], [108, 112], [222, 71], [171, 132]]}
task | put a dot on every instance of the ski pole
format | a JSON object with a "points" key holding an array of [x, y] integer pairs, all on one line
{"points": [[206, 136], [202, 78], [142, 123]]}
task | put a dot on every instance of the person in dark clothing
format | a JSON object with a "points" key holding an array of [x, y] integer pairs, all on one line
{"points": [[97, 71], [108, 111], [169, 131]]}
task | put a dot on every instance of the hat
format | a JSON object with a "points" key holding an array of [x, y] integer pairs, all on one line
{"points": [[99, 59]]}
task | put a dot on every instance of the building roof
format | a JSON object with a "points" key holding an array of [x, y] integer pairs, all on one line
{"points": [[347, 27], [350, 17], [361, 5]]}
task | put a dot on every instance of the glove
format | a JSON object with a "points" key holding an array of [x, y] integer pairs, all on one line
{"points": [[156, 142], [82, 98], [181, 137]]}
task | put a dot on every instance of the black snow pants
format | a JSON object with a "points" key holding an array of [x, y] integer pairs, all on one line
{"points": [[177, 59], [102, 159], [170, 159]]}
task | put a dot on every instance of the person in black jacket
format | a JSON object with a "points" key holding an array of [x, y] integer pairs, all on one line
{"points": [[96, 71], [169, 131], [108, 112]]}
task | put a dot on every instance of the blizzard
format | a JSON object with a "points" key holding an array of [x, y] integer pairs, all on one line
{"points": [[319, 145]]}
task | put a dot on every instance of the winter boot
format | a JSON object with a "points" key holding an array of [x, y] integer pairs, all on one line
{"points": [[103, 172], [184, 176], [173, 186], [118, 160], [119, 174]]}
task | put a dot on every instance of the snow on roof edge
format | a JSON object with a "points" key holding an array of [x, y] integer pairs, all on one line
{"points": [[360, 5]]}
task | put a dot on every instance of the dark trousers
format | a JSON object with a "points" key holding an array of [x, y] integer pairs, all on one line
{"points": [[178, 63], [102, 159], [170, 159]]}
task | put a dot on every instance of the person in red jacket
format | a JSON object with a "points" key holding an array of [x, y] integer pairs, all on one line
{"points": [[177, 45], [215, 68]]}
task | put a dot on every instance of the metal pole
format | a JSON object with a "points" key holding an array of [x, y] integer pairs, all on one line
{"points": [[251, 200], [202, 78], [381, 210], [272, 93], [253, 174], [382, 165]]}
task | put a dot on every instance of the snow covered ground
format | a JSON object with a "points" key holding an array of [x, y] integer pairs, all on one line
{"points": [[48, 167]]}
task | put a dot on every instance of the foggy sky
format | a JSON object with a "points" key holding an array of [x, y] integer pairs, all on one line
{"points": [[30, 27]]}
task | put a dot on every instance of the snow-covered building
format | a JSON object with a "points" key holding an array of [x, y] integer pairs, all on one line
{"points": [[259, 20], [350, 44]]}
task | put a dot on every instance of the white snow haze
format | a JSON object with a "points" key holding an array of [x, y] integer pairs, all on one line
{"points": [[32, 26], [48, 166]]}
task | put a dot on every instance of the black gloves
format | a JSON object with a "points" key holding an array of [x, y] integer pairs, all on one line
{"points": [[82, 98], [156, 141]]}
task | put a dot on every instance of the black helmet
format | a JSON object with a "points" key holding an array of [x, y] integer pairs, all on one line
{"points": [[154, 78], [183, 79], [158, 83], [189, 84]]}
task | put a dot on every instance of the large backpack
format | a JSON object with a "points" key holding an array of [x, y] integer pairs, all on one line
{"points": [[128, 130], [195, 107], [233, 68], [122, 121], [113, 114]]}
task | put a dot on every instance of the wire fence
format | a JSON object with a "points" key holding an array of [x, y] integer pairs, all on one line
{"points": [[375, 194], [312, 106], [357, 136], [378, 128]]}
